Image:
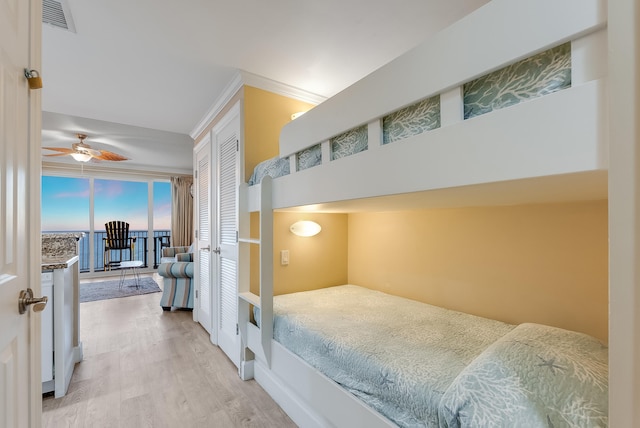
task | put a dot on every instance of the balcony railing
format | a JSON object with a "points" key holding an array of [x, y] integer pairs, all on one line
{"points": [[161, 239]]}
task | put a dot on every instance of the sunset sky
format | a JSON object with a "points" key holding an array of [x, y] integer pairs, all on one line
{"points": [[65, 204]]}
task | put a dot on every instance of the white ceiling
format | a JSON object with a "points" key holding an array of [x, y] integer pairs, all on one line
{"points": [[158, 66], [146, 149]]}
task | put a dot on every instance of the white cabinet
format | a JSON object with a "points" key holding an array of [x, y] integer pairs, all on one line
{"points": [[61, 348]]}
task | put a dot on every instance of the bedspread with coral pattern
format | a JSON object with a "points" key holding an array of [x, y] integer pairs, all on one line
{"points": [[534, 376], [274, 167], [397, 355]]}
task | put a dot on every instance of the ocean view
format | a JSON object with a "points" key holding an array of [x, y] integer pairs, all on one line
{"points": [[143, 249], [68, 204]]}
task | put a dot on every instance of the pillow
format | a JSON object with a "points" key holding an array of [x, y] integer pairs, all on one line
{"points": [[534, 376]]}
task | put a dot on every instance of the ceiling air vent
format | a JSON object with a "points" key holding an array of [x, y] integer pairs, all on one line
{"points": [[57, 14]]}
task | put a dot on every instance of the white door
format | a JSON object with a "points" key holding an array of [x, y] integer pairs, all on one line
{"points": [[20, 387], [203, 301], [227, 141]]}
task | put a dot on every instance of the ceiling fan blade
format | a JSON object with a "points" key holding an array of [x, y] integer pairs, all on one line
{"points": [[109, 156], [64, 150], [85, 149], [57, 154]]}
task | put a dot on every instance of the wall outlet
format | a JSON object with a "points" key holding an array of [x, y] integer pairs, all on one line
{"points": [[284, 257]]}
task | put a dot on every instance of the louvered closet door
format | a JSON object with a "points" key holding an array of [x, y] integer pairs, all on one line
{"points": [[227, 142], [204, 301]]}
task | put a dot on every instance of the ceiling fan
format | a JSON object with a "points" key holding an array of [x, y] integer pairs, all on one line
{"points": [[82, 152]]}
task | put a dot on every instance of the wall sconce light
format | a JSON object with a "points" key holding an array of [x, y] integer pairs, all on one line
{"points": [[81, 157], [305, 228]]}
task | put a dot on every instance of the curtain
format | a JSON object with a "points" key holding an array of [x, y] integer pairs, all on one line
{"points": [[181, 211]]}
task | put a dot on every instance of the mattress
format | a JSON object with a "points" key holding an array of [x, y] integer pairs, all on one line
{"points": [[397, 355]]}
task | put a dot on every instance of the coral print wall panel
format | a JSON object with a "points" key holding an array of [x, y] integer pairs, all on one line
{"points": [[413, 120], [349, 143], [539, 75]]}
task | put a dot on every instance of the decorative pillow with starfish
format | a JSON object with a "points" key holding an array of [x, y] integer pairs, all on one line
{"points": [[534, 376]]}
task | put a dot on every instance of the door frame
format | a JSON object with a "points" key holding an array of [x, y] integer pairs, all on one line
{"points": [[33, 174]]}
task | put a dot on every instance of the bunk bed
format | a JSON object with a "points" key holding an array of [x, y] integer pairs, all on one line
{"points": [[506, 106]]}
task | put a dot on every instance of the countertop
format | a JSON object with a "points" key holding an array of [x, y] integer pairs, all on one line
{"points": [[58, 262]]}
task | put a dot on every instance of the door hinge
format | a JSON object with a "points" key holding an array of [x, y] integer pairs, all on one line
{"points": [[237, 145], [237, 237], [196, 173], [237, 329], [196, 233], [197, 294]]}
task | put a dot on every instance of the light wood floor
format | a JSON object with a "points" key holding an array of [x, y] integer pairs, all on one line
{"points": [[144, 367]]}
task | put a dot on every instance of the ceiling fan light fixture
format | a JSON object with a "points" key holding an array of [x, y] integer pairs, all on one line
{"points": [[82, 152], [81, 157]]}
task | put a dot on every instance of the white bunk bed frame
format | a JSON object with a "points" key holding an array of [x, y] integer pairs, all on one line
{"points": [[501, 157]]}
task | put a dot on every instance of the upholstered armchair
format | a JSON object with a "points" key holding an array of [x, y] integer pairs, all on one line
{"points": [[169, 253], [176, 268]]}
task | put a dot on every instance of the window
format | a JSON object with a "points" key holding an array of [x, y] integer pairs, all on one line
{"points": [[67, 203], [121, 200]]}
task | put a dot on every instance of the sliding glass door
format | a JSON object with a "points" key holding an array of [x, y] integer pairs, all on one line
{"points": [[85, 204], [125, 201]]}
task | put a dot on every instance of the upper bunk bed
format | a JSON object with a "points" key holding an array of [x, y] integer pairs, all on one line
{"points": [[505, 106]]}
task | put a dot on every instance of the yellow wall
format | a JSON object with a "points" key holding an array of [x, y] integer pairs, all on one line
{"points": [[314, 262], [265, 113], [534, 263]]}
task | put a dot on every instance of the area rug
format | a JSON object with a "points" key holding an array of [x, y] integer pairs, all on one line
{"points": [[92, 291]]}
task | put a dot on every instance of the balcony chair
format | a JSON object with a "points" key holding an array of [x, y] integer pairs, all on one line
{"points": [[176, 269], [117, 239]]}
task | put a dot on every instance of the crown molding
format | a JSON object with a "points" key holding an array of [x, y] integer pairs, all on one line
{"points": [[260, 82], [234, 86], [242, 78]]}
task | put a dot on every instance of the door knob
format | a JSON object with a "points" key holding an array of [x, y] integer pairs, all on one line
{"points": [[207, 248], [26, 298], [216, 250]]}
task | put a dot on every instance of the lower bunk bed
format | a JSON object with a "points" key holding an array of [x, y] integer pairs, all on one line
{"points": [[350, 356]]}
